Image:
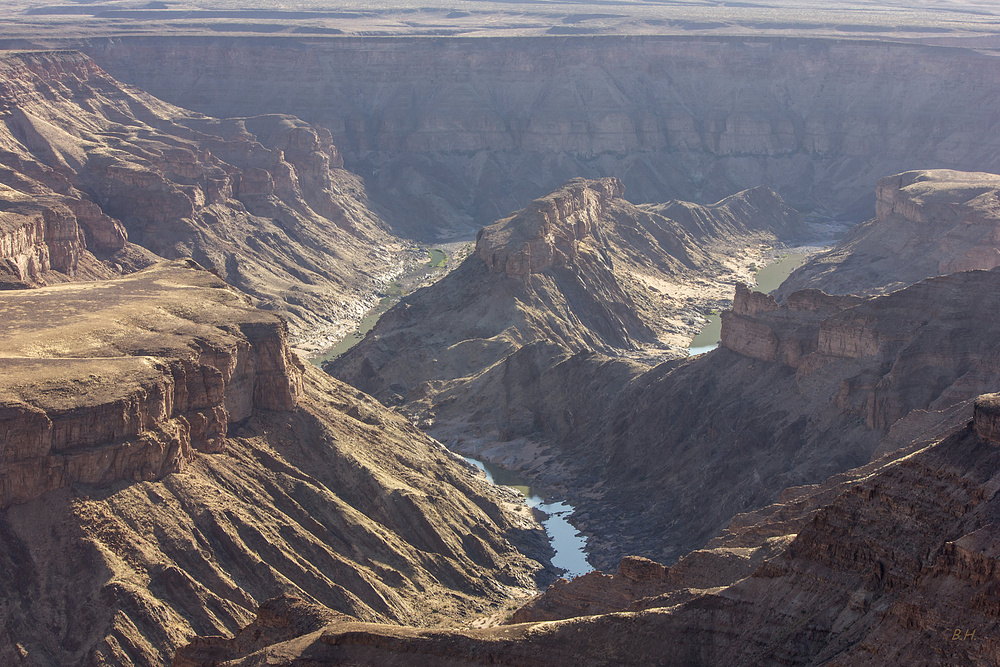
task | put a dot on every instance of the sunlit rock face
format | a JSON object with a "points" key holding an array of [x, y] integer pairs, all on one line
{"points": [[165, 454], [451, 133], [96, 176]]}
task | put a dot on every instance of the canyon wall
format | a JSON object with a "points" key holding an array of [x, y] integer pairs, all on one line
{"points": [[927, 223], [167, 465], [893, 563], [452, 133], [98, 178]]}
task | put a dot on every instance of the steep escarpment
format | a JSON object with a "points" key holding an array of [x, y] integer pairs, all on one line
{"points": [[167, 465], [899, 566], [794, 394], [452, 133], [578, 270], [89, 167], [926, 223]]}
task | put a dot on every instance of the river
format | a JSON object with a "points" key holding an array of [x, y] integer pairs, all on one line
{"points": [[769, 279], [569, 546]]}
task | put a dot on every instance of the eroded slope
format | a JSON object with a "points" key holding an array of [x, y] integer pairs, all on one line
{"points": [[899, 567], [580, 269], [168, 465], [926, 223], [453, 133], [88, 165]]}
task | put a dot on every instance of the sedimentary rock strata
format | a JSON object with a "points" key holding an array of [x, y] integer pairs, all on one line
{"points": [[453, 133], [893, 564], [927, 223], [169, 464], [90, 167]]}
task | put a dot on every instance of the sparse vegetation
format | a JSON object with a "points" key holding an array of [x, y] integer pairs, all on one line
{"points": [[438, 258]]}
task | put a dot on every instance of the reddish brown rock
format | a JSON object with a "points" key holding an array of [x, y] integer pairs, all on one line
{"points": [[895, 563], [134, 407], [167, 465]]}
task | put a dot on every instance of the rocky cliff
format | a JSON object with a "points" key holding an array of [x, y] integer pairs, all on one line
{"points": [[895, 565], [139, 412], [89, 167], [926, 223], [452, 133], [579, 270], [167, 465], [795, 393]]}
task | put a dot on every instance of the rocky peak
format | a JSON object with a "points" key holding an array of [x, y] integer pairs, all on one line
{"points": [[549, 230]]}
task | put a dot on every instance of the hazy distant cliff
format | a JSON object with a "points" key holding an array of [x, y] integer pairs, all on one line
{"points": [[445, 129]]}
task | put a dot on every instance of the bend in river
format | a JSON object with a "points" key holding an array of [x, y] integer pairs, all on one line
{"points": [[570, 546], [769, 279]]}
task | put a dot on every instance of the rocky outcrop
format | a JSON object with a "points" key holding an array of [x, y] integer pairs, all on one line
{"points": [[90, 167], [167, 465], [986, 417], [549, 231], [926, 223], [893, 563], [580, 269], [596, 592], [758, 327], [452, 133], [139, 412]]}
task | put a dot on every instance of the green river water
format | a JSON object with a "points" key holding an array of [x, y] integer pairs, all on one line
{"points": [[768, 279]]}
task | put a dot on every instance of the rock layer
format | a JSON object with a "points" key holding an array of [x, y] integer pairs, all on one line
{"points": [[897, 566], [452, 133], [263, 201], [136, 411], [167, 465]]}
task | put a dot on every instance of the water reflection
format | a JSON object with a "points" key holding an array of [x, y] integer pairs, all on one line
{"points": [[569, 546]]}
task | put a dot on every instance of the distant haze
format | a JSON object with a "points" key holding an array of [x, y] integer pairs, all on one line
{"points": [[934, 21]]}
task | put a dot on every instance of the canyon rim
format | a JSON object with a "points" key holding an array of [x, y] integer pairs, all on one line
{"points": [[547, 200]]}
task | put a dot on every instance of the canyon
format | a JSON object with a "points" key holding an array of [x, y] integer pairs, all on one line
{"points": [[926, 223], [452, 134], [861, 570], [169, 465], [99, 178], [187, 216], [796, 393]]}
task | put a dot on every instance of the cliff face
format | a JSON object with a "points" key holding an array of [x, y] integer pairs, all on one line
{"points": [[578, 270], [141, 412], [452, 133], [167, 465], [892, 563], [796, 392], [926, 223], [90, 167]]}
